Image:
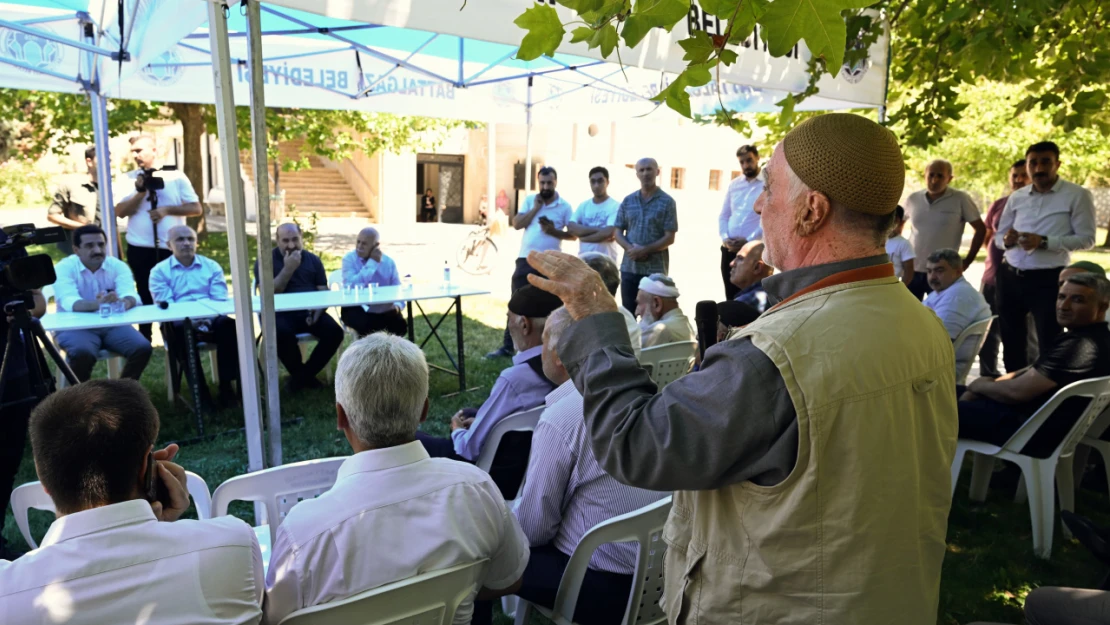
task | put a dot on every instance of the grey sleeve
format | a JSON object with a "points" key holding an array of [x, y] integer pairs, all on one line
{"points": [[730, 422]]}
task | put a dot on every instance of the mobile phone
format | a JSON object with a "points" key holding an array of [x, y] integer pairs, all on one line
{"points": [[155, 488]]}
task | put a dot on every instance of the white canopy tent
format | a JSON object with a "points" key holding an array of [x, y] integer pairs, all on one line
{"points": [[403, 56]]}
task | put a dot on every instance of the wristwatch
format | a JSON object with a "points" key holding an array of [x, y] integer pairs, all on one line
{"points": [[1044, 244]]}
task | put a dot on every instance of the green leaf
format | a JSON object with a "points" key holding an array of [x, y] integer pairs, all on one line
{"points": [[649, 14], [545, 32], [606, 38], [728, 57], [818, 22], [698, 75], [720, 8], [582, 33], [698, 46], [582, 6], [786, 115], [744, 24]]}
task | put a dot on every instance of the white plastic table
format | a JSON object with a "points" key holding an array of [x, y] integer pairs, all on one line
{"points": [[412, 295]]}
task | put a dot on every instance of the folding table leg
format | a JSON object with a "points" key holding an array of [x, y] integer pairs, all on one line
{"points": [[459, 343], [192, 361]]}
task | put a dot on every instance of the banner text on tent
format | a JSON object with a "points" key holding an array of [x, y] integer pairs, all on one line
{"points": [[340, 80]]}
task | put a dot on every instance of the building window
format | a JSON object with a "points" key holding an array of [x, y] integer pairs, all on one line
{"points": [[736, 174], [678, 177], [714, 180]]}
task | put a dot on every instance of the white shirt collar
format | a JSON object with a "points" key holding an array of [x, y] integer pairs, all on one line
{"points": [[86, 522], [382, 459]]}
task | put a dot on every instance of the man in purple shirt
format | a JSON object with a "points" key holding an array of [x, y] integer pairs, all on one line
{"points": [[519, 387], [988, 355]]}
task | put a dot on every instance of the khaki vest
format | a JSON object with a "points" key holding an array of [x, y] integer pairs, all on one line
{"points": [[856, 533]]}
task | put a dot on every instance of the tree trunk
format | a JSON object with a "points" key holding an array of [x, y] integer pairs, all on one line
{"points": [[1106, 243], [191, 117]]}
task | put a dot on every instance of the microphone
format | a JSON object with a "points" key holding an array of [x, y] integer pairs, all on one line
{"points": [[705, 318], [163, 305]]}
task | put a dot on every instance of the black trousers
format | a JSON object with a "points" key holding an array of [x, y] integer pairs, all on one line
{"points": [[366, 323], [630, 287], [13, 436], [988, 355], [329, 337], [726, 270], [1021, 293], [221, 332], [520, 278], [142, 260], [919, 286], [604, 595]]}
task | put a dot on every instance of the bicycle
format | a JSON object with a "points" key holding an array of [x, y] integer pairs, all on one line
{"points": [[477, 253]]}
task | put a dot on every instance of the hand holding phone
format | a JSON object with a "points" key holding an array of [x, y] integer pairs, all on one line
{"points": [[166, 488]]}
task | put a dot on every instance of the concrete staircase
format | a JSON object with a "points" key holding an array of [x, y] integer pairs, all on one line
{"points": [[319, 189]]}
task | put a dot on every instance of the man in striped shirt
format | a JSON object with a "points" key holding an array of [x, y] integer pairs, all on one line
{"points": [[566, 493]]}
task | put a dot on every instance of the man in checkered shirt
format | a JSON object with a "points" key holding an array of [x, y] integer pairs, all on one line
{"points": [[646, 223]]}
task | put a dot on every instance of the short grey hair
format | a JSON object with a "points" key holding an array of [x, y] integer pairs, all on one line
{"points": [[1095, 282], [382, 384], [557, 322], [606, 268], [940, 161], [948, 255]]}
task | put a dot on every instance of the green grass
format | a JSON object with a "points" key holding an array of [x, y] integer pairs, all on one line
{"points": [[988, 570]]}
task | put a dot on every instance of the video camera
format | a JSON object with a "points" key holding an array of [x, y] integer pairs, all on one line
{"points": [[151, 181], [19, 271]]}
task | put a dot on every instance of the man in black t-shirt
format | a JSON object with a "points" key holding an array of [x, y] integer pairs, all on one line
{"points": [[300, 271], [993, 409]]}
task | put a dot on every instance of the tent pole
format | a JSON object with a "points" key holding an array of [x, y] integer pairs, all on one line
{"points": [[491, 170], [528, 141], [265, 253], [99, 105], [237, 234]]}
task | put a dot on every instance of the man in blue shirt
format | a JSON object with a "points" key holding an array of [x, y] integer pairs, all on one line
{"points": [[368, 265], [84, 282], [299, 271], [187, 277], [645, 227], [520, 387], [955, 301], [746, 273]]}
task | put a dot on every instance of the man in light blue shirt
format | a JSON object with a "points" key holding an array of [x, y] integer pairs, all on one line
{"points": [[954, 300], [520, 387], [84, 282], [187, 277], [367, 265]]}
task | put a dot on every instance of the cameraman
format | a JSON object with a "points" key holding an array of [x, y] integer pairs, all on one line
{"points": [[16, 401], [148, 231]]}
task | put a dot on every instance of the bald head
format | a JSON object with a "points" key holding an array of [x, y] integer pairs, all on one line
{"points": [[647, 170], [368, 244], [748, 267], [937, 176], [289, 238], [183, 244]]}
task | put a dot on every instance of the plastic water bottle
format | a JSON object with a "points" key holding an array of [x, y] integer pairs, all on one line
{"points": [[446, 273]]}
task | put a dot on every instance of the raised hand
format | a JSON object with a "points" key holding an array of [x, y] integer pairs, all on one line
{"points": [[573, 281]]}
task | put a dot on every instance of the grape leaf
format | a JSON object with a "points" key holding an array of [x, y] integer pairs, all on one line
{"points": [[545, 32], [582, 33], [818, 22], [698, 46], [582, 6], [649, 14], [606, 38], [744, 24]]}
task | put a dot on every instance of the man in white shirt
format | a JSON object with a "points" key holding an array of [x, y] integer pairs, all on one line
{"points": [[661, 320], [610, 274], [393, 512], [1040, 226], [543, 217], [954, 300], [160, 201], [113, 555], [86, 281], [938, 214], [900, 250], [738, 222], [566, 493], [593, 221]]}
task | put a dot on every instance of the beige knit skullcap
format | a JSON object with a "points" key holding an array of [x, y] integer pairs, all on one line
{"points": [[849, 158]]}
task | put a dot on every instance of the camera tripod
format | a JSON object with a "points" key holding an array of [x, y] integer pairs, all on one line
{"points": [[25, 333]]}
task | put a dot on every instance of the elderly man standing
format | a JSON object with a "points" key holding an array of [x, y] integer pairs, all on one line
{"points": [[661, 320], [954, 300], [297, 270], [187, 277], [738, 222], [861, 420], [938, 214], [1040, 226], [747, 272], [364, 266], [645, 226]]}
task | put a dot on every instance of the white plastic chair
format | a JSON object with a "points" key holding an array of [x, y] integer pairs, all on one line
{"points": [[115, 361], [278, 489], [1092, 440], [668, 362], [33, 495], [644, 526], [428, 599], [519, 422], [1041, 475], [973, 335], [201, 348]]}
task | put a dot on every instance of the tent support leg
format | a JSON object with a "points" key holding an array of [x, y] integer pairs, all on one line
{"points": [[491, 170], [265, 257], [104, 172], [528, 142], [237, 234]]}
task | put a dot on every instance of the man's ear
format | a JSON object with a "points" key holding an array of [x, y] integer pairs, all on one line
{"points": [[526, 325], [814, 213], [341, 422], [424, 412]]}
